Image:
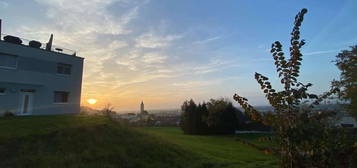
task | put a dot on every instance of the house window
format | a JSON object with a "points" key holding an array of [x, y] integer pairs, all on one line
{"points": [[64, 68], [61, 97], [2, 91], [8, 61]]}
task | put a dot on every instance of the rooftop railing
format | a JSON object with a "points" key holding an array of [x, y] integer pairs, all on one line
{"points": [[54, 48]]}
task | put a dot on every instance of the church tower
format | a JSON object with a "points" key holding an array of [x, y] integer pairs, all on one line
{"points": [[142, 107]]}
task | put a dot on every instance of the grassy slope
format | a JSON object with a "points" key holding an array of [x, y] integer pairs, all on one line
{"points": [[15, 127], [87, 141], [255, 139], [218, 148]]}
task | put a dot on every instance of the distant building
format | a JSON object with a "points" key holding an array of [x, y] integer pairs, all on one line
{"points": [[36, 79], [129, 116], [346, 120], [142, 109]]}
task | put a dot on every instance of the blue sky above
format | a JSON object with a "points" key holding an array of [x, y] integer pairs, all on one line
{"points": [[166, 51]]}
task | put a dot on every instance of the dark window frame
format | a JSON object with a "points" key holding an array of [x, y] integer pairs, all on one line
{"points": [[61, 97], [2, 91], [64, 69]]}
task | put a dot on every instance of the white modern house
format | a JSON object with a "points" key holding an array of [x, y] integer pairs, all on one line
{"points": [[38, 79]]}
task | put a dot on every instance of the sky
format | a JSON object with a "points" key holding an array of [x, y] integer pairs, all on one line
{"points": [[164, 52]]}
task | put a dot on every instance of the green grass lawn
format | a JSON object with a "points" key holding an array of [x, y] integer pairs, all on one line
{"points": [[15, 127], [255, 138], [95, 142], [223, 149]]}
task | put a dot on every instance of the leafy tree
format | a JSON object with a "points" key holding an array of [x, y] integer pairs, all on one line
{"points": [[215, 117], [202, 118], [304, 135], [222, 118], [188, 117], [347, 62]]}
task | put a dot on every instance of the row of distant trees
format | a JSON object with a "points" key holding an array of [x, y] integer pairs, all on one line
{"points": [[218, 116]]}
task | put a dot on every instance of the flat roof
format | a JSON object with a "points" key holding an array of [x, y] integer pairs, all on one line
{"points": [[54, 48]]}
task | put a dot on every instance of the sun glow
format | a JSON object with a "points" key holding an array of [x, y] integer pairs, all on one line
{"points": [[92, 101]]}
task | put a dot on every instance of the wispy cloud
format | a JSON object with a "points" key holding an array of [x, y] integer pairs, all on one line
{"points": [[208, 40], [86, 26], [86, 17], [321, 52], [149, 40], [195, 84], [3, 5], [153, 58], [203, 86], [215, 64]]}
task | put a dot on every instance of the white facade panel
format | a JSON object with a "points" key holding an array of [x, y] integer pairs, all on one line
{"points": [[30, 77]]}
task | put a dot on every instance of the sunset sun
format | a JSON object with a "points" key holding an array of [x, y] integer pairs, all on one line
{"points": [[92, 101]]}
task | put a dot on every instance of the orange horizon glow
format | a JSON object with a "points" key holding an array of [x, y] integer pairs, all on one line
{"points": [[132, 103]]}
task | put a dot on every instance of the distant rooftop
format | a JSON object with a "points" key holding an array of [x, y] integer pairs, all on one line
{"points": [[42, 46]]}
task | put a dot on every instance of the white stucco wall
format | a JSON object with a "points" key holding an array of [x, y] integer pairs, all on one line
{"points": [[37, 69]]}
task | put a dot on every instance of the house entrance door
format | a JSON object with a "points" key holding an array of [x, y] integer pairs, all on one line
{"points": [[26, 103]]}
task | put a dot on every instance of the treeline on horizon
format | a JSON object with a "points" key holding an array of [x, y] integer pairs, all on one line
{"points": [[217, 116]]}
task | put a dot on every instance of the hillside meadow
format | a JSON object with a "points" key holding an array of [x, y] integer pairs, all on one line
{"points": [[96, 141]]}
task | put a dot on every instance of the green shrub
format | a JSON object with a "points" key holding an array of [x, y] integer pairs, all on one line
{"points": [[8, 114]]}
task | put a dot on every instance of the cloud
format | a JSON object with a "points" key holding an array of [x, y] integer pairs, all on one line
{"points": [[154, 58], [321, 52], [208, 40], [116, 44], [195, 84], [84, 17], [149, 40], [215, 64], [203, 86], [3, 5], [90, 28]]}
